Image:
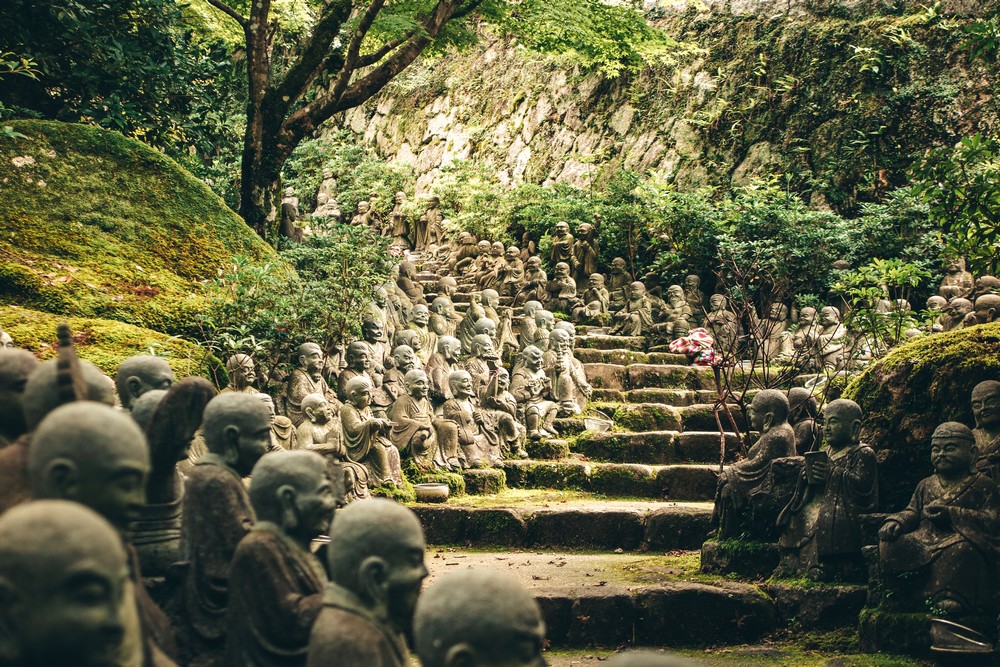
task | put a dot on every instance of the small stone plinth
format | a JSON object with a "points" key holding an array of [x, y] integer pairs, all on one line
{"points": [[753, 560], [547, 449], [484, 481]]}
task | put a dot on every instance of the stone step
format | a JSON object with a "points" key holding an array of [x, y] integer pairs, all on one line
{"points": [[605, 342], [624, 599], [638, 417], [649, 376], [700, 417], [593, 355], [691, 483], [586, 524], [654, 447]]}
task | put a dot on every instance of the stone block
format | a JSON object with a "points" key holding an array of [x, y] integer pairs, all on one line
{"points": [[547, 474], [586, 529], [602, 620], [674, 397], [649, 376], [484, 481], [622, 357], [551, 449], [605, 342], [624, 479], [688, 482], [442, 524], [703, 446], [653, 447], [683, 613], [819, 607], [644, 416], [499, 527], [605, 376], [668, 358], [753, 560], [673, 528], [700, 417]]}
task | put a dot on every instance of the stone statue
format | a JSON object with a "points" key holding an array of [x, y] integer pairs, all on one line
{"points": [[359, 362], [568, 379], [65, 588], [532, 389], [321, 432], [987, 308], [449, 628], [365, 436], [137, 375], [483, 361], [465, 254], [596, 291], [636, 317], [562, 246], [403, 360], [500, 410], [409, 284], [442, 319], [935, 308], [528, 247], [561, 289], [381, 312], [373, 336], [326, 209], [956, 312], [723, 324], [479, 266], [945, 542], [97, 456], [289, 227], [463, 409], [805, 333], [802, 413], [695, 298], [15, 367], [467, 327], [307, 378], [986, 410], [957, 283], [428, 441], [740, 482], [491, 302], [398, 228], [429, 227], [512, 274], [772, 335], [363, 216], [821, 526], [677, 313], [535, 282], [440, 365], [282, 429], [491, 276], [545, 323], [585, 252], [328, 186], [242, 374], [832, 340], [618, 282], [275, 583], [6, 342], [376, 564], [419, 318], [527, 329], [216, 512]]}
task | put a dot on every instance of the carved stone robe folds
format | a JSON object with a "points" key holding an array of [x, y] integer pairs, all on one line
{"points": [[348, 633], [275, 594], [366, 446], [409, 416]]}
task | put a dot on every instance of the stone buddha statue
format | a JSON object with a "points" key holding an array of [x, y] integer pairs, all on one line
{"points": [[307, 378], [936, 315], [398, 228], [987, 308], [429, 441], [618, 281], [695, 298], [568, 379], [404, 359], [677, 312], [363, 216], [242, 374], [428, 229], [562, 246], [585, 252], [596, 291], [359, 362], [527, 328], [986, 410], [66, 596], [561, 290], [479, 266], [449, 628], [957, 283], [491, 274], [6, 342], [376, 565], [137, 375], [512, 275], [723, 324], [440, 365], [772, 335], [216, 511], [832, 341], [821, 526], [482, 362], [802, 414], [275, 583], [282, 429], [500, 412], [366, 436], [463, 409], [426, 339], [545, 323], [465, 254], [535, 282], [532, 390], [957, 311], [15, 367], [409, 284], [442, 320], [636, 316]]}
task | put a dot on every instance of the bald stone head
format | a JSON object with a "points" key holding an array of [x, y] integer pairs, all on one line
{"points": [[986, 405], [292, 491], [63, 581], [408, 338], [801, 404], [15, 367], [491, 297], [478, 618], [449, 347], [42, 392], [237, 429], [485, 325], [93, 454], [242, 371], [987, 308], [953, 450], [648, 659], [841, 423], [377, 553], [531, 307], [137, 375], [145, 406], [769, 408]]}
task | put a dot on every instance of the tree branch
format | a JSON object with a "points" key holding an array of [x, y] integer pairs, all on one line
{"points": [[465, 11], [370, 59], [229, 11], [351, 59]]}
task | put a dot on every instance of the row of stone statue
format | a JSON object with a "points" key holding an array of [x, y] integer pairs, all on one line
{"points": [[79, 478], [943, 548]]}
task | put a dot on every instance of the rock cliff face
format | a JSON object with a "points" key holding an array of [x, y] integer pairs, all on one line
{"points": [[837, 95]]}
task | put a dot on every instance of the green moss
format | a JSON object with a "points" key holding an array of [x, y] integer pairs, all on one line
{"points": [[106, 343], [547, 450], [485, 481], [401, 494], [96, 225], [547, 475], [911, 391], [455, 482], [627, 480]]}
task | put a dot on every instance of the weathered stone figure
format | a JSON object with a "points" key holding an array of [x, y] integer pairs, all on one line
{"points": [[804, 334], [359, 362], [949, 532], [440, 365], [426, 339], [695, 298], [365, 436], [636, 317], [512, 275], [569, 381], [321, 432], [404, 359], [535, 281], [491, 275], [15, 367], [463, 410], [740, 482], [376, 571], [64, 587], [428, 226], [398, 229], [442, 318], [775, 343], [478, 618], [500, 410], [832, 342], [957, 311], [618, 281], [6, 342], [585, 252], [307, 378], [216, 511], [409, 284], [137, 375], [430, 442], [482, 362], [561, 289], [802, 413], [532, 388], [987, 308], [527, 328], [282, 429], [562, 246], [723, 324], [275, 583], [986, 410], [821, 526], [242, 374], [957, 283]]}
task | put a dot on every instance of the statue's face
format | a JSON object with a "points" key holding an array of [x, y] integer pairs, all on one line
{"points": [[586, 229], [405, 359], [503, 380], [380, 298], [315, 501], [839, 428], [487, 328], [534, 263], [418, 387], [717, 302], [484, 248], [491, 298], [245, 373], [562, 270], [952, 455], [675, 294], [986, 406], [596, 280], [400, 197], [497, 250], [312, 360], [560, 342], [618, 266], [828, 317], [756, 417], [547, 322], [113, 486], [362, 207], [462, 386], [807, 316], [254, 441], [533, 360], [959, 308], [562, 229], [373, 332], [691, 282], [406, 574], [512, 254], [483, 348], [954, 265], [362, 396], [6, 342], [637, 290], [421, 315], [452, 349], [364, 361], [321, 414], [269, 402]]}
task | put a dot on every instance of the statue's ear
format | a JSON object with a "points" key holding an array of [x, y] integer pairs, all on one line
{"points": [[134, 385], [231, 445], [286, 496], [769, 420], [856, 430], [373, 579], [10, 648], [460, 655], [63, 477]]}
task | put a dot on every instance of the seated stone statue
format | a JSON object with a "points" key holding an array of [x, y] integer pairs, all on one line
{"points": [[307, 378], [137, 375], [479, 266], [442, 318], [821, 526], [465, 254], [957, 283], [282, 430], [618, 281], [987, 308], [463, 409], [321, 432], [409, 284], [64, 577], [740, 482], [948, 534], [545, 323], [562, 246], [242, 374], [449, 631], [275, 583], [500, 412], [404, 359], [216, 511], [398, 228], [532, 390], [365, 436], [636, 317], [804, 334], [467, 327], [561, 290], [376, 564], [957, 311], [677, 315], [483, 361], [527, 328], [491, 303], [431, 443], [535, 282], [426, 339], [440, 365], [802, 413], [359, 362], [695, 298], [937, 320], [487, 327], [491, 274], [596, 291], [512, 274], [832, 341], [568, 379], [772, 337], [724, 326], [986, 410], [15, 367]]}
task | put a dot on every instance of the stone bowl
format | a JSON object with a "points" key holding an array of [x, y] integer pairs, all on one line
{"points": [[431, 493]]}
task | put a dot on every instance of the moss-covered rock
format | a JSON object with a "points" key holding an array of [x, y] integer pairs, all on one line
{"points": [[484, 481], [106, 343], [96, 225], [913, 389]]}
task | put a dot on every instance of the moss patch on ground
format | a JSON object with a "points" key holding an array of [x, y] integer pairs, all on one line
{"points": [[106, 343], [96, 225], [911, 391], [772, 654]]}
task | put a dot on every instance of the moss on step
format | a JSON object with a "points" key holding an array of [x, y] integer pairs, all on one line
{"points": [[455, 482], [484, 481]]}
